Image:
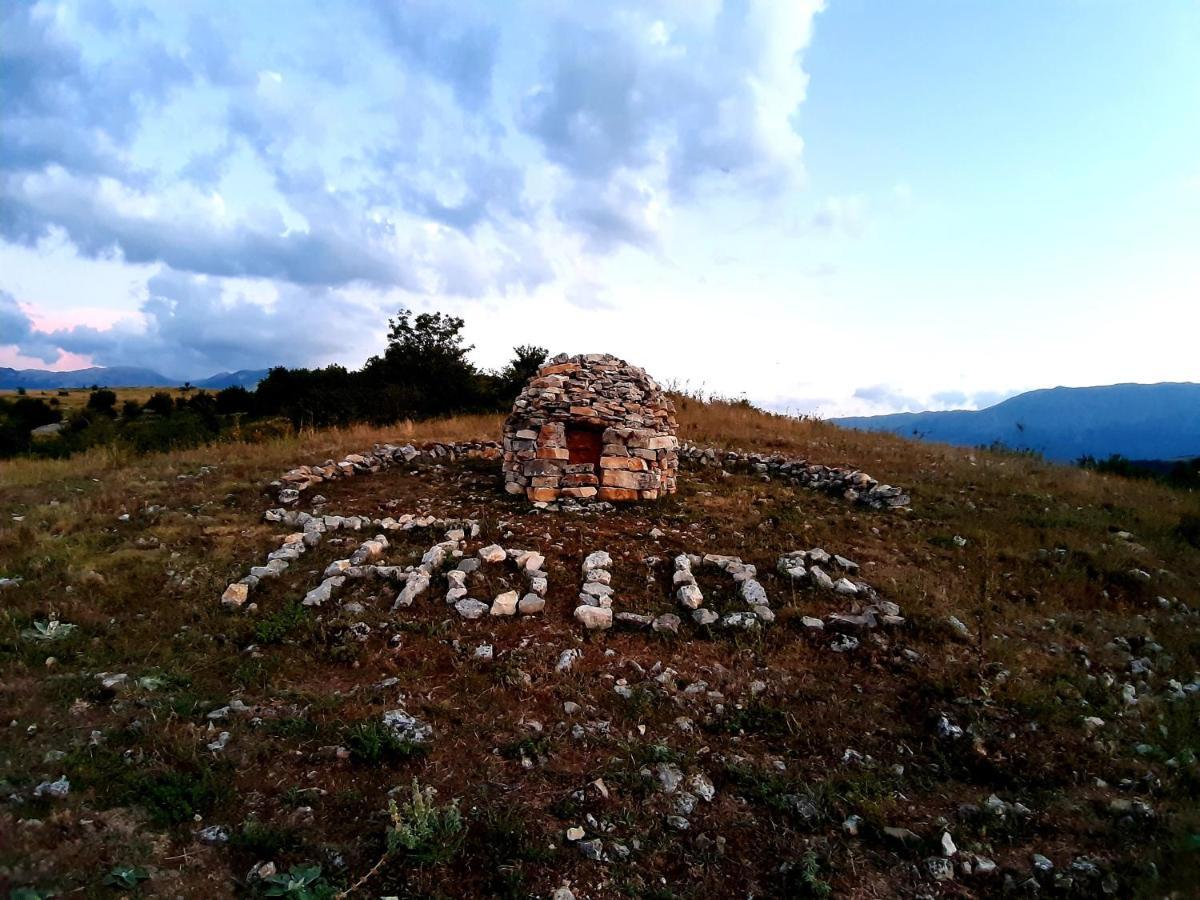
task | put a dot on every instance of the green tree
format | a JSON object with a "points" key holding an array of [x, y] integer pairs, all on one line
{"points": [[526, 361], [426, 362]]}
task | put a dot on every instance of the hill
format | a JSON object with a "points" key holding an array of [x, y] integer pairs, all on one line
{"points": [[120, 376], [246, 378], [1137, 421], [1004, 693], [114, 376]]}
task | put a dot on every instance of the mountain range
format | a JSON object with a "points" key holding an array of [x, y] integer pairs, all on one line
{"points": [[120, 376], [1137, 421]]}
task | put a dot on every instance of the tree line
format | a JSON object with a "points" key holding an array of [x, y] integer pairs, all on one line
{"points": [[424, 372]]}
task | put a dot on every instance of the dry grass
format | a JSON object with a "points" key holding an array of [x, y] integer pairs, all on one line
{"points": [[143, 594], [71, 399]]}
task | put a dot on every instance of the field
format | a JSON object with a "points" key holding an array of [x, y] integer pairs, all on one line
{"points": [[1067, 690], [71, 399]]}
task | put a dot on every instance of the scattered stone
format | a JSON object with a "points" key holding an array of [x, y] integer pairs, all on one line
{"points": [[213, 834], [56, 790], [566, 659], [947, 730], [939, 868], [406, 728], [958, 628], [593, 849]]}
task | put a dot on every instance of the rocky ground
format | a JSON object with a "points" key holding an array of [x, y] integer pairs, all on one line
{"points": [[992, 691]]}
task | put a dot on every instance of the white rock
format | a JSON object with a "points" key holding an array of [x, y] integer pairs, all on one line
{"points": [[596, 618], [505, 604], [689, 595], [54, 789], [531, 604], [470, 608], [235, 596], [753, 593], [493, 553], [948, 848], [407, 728], [597, 560], [418, 584], [820, 578]]}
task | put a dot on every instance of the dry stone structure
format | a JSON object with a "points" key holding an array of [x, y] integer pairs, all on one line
{"points": [[591, 427]]}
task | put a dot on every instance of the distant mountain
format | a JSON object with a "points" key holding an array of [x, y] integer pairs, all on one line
{"points": [[120, 376], [247, 378], [1138, 421], [114, 376]]}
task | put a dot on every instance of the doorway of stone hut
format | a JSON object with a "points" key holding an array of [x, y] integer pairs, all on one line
{"points": [[585, 445]]}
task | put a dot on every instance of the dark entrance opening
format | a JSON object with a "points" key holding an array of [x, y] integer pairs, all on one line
{"points": [[584, 444]]}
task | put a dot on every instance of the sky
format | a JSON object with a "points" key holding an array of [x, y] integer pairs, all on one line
{"points": [[841, 208]]}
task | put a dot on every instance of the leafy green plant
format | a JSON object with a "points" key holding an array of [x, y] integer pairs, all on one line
{"points": [[298, 882], [803, 879], [125, 878], [272, 629], [53, 630]]}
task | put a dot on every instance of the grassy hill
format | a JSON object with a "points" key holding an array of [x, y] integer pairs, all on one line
{"points": [[1066, 689]]}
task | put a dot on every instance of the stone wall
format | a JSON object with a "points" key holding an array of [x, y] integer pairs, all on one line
{"points": [[547, 455]]}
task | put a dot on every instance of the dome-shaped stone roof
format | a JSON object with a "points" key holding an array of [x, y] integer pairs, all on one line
{"points": [[591, 426]]}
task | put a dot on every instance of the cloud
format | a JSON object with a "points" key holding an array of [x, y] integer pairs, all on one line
{"points": [[16, 330], [641, 111], [950, 399], [841, 216], [478, 155], [459, 50], [886, 396], [190, 327]]}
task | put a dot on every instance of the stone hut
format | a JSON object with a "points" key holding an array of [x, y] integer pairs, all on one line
{"points": [[591, 427]]}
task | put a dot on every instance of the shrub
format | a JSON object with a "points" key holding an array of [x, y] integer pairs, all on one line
{"points": [[1189, 529], [371, 742], [103, 402]]}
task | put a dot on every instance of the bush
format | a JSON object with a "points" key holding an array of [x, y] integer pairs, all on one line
{"points": [[130, 409], [161, 404], [1189, 529], [103, 402], [371, 742]]}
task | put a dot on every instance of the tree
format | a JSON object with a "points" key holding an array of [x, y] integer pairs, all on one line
{"points": [[426, 362], [526, 361]]}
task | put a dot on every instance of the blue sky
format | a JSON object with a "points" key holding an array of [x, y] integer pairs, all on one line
{"points": [[849, 207]]}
